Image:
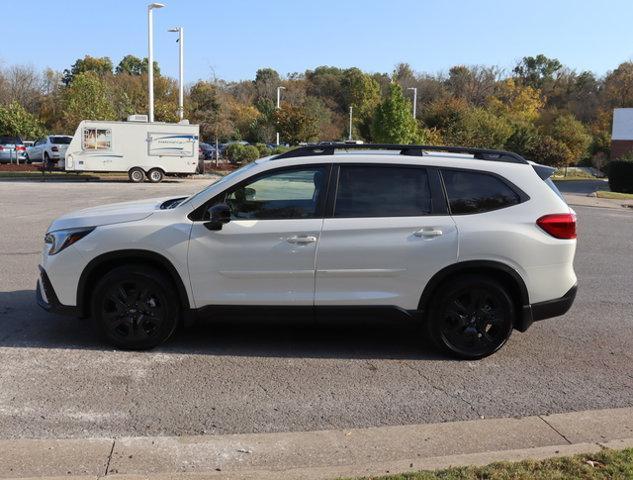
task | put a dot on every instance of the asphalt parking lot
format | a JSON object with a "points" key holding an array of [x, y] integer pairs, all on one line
{"points": [[58, 380]]}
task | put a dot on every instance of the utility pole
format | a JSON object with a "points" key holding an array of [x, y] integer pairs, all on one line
{"points": [[279, 89], [350, 122], [150, 57], [181, 67], [415, 100]]}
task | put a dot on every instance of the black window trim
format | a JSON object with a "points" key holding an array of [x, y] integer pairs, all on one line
{"points": [[439, 206], [523, 197], [198, 214]]}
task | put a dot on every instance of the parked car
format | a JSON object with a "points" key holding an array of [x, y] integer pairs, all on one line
{"points": [[207, 151], [12, 149], [49, 150], [473, 242]]}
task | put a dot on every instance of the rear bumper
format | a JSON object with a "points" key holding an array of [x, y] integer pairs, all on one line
{"points": [[47, 298], [543, 310]]}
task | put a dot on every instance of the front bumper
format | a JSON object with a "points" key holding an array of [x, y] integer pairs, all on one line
{"points": [[47, 298], [543, 310]]}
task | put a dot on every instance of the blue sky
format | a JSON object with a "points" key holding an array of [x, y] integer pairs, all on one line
{"points": [[231, 39]]}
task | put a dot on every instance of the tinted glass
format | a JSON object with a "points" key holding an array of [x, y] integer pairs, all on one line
{"points": [[61, 140], [472, 192], [282, 195], [365, 191], [4, 139]]}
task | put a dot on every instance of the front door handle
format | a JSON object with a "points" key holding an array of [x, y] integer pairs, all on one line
{"points": [[301, 239], [428, 232]]}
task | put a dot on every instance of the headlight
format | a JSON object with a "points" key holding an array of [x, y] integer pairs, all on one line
{"points": [[61, 239]]}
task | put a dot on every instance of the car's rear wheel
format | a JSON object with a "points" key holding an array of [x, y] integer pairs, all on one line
{"points": [[471, 317], [155, 175], [135, 307], [137, 175]]}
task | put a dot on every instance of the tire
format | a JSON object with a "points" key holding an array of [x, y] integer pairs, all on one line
{"points": [[135, 307], [155, 175], [46, 161], [27, 159], [137, 175], [471, 317]]}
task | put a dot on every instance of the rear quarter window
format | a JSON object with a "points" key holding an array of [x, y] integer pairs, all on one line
{"points": [[471, 192]]}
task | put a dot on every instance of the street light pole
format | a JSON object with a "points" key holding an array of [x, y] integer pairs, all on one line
{"points": [[181, 67], [415, 100], [279, 89], [150, 57], [351, 109]]}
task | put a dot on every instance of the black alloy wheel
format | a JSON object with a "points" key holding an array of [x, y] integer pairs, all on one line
{"points": [[472, 318], [135, 307]]}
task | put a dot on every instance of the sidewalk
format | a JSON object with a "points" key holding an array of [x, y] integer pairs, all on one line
{"points": [[588, 201], [320, 454]]}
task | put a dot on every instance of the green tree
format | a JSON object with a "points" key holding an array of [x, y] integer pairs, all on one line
{"points": [[618, 86], [87, 99], [393, 122], [537, 71], [362, 93], [266, 82], [203, 108], [296, 124], [573, 134], [15, 120], [549, 151], [132, 65], [463, 124], [99, 65]]}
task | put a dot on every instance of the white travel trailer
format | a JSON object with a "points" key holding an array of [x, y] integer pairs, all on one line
{"points": [[138, 148]]}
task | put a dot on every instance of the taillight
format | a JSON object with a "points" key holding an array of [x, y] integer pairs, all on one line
{"points": [[54, 148], [559, 225], [20, 148], [1, 148]]}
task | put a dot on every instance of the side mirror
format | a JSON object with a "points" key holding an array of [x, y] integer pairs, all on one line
{"points": [[217, 216]]}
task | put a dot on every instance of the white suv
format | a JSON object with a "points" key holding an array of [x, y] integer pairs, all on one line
{"points": [[475, 242]]}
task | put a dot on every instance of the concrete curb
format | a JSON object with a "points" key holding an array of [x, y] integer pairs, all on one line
{"points": [[320, 454]]}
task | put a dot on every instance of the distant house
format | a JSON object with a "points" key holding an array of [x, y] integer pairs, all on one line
{"points": [[622, 133]]}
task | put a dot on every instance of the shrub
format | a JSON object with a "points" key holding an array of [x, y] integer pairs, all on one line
{"points": [[263, 149], [248, 154], [233, 152], [621, 176], [279, 149]]}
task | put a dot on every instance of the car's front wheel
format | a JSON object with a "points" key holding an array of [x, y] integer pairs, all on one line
{"points": [[135, 307], [471, 317]]}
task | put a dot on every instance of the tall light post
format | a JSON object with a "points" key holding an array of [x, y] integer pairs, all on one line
{"points": [[181, 66], [279, 89], [415, 100], [351, 110], [150, 57]]}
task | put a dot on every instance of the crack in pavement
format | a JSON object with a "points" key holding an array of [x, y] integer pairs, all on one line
{"points": [[445, 392]]}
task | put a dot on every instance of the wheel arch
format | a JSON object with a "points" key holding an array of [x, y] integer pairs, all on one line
{"points": [[98, 266], [502, 272]]}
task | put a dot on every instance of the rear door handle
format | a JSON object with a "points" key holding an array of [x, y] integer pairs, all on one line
{"points": [[301, 239], [428, 232]]}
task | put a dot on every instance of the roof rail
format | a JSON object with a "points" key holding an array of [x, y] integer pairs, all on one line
{"points": [[412, 150]]}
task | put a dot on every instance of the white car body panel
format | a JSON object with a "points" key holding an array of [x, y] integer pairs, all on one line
{"points": [[381, 261], [251, 262]]}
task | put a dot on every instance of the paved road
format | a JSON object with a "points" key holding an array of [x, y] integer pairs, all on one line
{"points": [[582, 187], [56, 379]]}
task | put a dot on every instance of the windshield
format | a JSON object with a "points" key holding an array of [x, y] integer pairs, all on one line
{"points": [[225, 179], [61, 140]]}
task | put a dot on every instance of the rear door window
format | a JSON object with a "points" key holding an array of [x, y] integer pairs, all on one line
{"points": [[382, 191], [477, 192]]}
